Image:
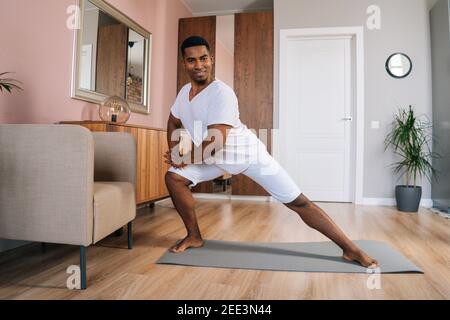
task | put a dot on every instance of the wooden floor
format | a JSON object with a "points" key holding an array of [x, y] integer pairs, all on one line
{"points": [[117, 273]]}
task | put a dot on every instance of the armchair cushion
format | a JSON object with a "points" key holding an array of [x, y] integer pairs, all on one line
{"points": [[114, 207]]}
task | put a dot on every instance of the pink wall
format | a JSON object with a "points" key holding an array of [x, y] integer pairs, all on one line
{"points": [[224, 64], [37, 45]]}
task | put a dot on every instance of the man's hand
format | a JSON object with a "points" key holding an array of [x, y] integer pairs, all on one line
{"points": [[214, 142], [169, 160]]}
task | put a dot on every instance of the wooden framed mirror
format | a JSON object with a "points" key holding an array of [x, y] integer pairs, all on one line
{"points": [[112, 57]]}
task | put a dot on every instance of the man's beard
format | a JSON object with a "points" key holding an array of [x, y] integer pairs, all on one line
{"points": [[201, 81]]}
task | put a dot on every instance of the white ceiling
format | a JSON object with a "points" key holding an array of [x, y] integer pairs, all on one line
{"points": [[224, 7]]}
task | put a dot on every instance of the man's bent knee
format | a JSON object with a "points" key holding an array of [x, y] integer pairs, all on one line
{"points": [[300, 201], [173, 179]]}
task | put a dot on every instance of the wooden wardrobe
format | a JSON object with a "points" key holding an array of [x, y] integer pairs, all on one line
{"points": [[253, 77]]}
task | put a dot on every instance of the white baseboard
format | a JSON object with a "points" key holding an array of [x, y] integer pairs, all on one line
{"points": [[252, 198], [440, 213], [427, 203], [218, 196]]}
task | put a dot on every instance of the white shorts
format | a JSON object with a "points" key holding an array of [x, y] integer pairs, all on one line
{"points": [[265, 171]]}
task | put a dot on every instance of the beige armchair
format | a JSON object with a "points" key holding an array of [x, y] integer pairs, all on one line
{"points": [[64, 184]]}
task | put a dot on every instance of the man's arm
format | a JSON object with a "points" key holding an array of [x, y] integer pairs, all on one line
{"points": [[172, 125], [214, 142], [217, 136]]}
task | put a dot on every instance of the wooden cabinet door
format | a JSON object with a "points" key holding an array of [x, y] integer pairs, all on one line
{"points": [[253, 82], [153, 159], [162, 166], [148, 164]]}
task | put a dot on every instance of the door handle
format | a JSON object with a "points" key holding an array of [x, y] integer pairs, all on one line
{"points": [[348, 118]]}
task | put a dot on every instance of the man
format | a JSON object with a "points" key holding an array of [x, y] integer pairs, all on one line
{"points": [[208, 109]]}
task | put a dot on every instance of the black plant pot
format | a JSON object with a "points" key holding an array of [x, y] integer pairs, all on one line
{"points": [[408, 198]]}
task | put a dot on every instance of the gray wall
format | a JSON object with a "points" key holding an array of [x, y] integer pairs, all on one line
{"points": [[440, 48], [405, 28]]}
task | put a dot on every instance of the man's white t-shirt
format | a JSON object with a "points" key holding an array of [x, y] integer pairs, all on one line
{"points": [[218, 104]]}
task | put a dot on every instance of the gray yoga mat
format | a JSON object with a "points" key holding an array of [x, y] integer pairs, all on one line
{"points": [[302, 257]]}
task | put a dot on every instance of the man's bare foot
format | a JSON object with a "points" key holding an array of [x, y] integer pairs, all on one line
{"points": [[362, 258], [188, 242]]}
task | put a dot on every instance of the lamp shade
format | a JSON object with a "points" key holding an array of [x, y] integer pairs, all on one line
{"points": [[114, 109]]}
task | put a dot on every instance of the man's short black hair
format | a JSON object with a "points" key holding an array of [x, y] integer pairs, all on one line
{"points": [[193, 42]]}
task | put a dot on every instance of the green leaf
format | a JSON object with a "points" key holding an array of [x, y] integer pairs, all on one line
{"points": [[410, 138], [9, 84]]}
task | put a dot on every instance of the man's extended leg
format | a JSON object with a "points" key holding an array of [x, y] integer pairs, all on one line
{"points": [[268, 173], [317, 219], [183, 201]]}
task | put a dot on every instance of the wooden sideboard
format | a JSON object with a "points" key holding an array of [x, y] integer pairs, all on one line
{"points": [[151, 146]]}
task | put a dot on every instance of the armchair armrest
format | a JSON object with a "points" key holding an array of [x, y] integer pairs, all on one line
{"points": [[115, 157]]}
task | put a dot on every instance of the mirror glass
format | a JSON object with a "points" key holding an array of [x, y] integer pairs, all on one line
{"points": [[112, 57], [135, 67], [224, 68], [399, 65]]}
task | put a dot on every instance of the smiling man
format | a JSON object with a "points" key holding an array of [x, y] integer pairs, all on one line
{"points": [[208, 109]]}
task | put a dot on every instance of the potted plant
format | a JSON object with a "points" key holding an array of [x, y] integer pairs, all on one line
{"points": [[8, 84], [410, 139]]}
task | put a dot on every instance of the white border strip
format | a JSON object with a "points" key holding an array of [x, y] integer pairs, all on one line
{"points": [[218, 196], [426, 203]]}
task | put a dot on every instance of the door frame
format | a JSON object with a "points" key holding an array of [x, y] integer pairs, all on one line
{"points": [[359, 84]]}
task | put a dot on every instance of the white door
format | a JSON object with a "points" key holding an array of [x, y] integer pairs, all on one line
{"points": [[316, 122]]}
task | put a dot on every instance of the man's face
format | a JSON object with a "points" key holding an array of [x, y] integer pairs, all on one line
{"points": [[198, 63]]}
